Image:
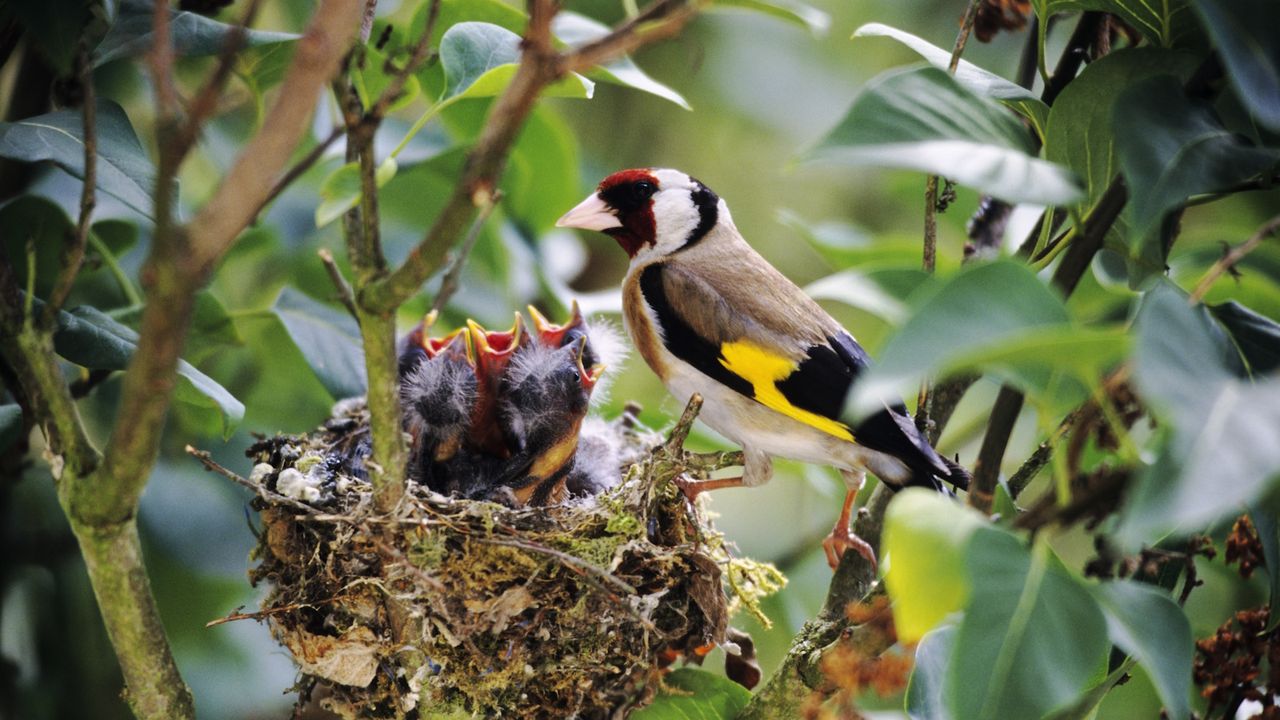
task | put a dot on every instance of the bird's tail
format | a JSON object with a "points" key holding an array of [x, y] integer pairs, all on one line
{"points": [[929, 476]]}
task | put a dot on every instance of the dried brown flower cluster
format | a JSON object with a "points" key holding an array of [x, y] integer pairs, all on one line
{"points": [[866, 657], [996, 15], [1229, 665], [1244, 547]]}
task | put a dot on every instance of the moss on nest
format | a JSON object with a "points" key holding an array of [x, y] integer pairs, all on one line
{"points": [[452, 605]]}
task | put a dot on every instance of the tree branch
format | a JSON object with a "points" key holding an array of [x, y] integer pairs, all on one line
{"points": [[1236, 254], [73, 255], [540, 65]]}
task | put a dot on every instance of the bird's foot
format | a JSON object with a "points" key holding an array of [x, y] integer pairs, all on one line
{"points": [[842, 539], [692, 488]]}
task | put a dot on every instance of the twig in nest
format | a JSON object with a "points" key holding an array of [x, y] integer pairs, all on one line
{"points": [[212, 466], [237, 615], [680, 432]]}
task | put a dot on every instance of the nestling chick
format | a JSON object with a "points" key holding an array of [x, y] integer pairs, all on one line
{"points": [[711, 316]]}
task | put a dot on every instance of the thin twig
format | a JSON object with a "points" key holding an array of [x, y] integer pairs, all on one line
{"points": [[450, 283], [680, 431], [421, 53], [237, 615], [578, 565], [339, 282], [1236, 254], [966, 27], [261, 490], [540, 65], [299, 168], [73, 256], [206, 100]]}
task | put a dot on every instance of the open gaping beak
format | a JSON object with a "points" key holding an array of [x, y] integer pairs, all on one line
{"points": [[590, 214]]}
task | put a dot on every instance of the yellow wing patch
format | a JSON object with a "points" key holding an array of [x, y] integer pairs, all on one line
{"points": [[764, 369]]}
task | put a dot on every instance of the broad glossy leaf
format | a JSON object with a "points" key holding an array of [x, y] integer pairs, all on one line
{"points": [[1081, 135], [341, 189], [855, 289], [192, 34], [10, 425], [1147, 624], [42, 223], [1171, 148], [329, 340], [546, 148], [479, 60], [923, 119], [123, 169], [979, 81], [1257, 337], [1268, 528], [1165, 23], [454, 12], [90, 339], [796, 13], [699, 695], [998, 316], [1244, 32], [1032, 638], [926, 536], [926, 691], [574, 29], [1222, 454]]}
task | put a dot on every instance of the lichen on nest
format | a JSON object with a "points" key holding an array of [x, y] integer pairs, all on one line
{"points": [[471, 606]]}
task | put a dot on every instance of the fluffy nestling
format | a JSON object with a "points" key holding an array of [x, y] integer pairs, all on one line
{"points": [[711, 316]]}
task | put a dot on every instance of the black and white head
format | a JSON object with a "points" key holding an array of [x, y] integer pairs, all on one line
{"points": [[652, 213]]}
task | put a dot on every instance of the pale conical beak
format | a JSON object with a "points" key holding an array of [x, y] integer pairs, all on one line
{"points": [[590, 214]]}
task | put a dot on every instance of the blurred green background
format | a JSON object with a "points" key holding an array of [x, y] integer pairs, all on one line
{"points": [[761, 92]]}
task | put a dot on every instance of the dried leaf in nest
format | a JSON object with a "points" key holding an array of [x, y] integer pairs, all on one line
{"points": [[480, 608]]}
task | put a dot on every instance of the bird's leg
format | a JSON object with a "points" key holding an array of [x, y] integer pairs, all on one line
{"points": [[842, 537], [757, 468]]}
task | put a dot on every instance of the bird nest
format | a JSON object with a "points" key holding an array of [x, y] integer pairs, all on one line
{"points": [[453, 605]]}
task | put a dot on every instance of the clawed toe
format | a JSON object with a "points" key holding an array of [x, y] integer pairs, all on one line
{"points": [[841, 540]]}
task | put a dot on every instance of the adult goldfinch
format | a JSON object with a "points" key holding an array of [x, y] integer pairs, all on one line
{"points": [[713, 317]]}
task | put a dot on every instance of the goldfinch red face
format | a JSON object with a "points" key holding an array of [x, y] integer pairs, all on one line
{"points": [[648, 211]]}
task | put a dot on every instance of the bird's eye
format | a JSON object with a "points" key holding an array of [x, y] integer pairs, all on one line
{"points": [[643, 190]]}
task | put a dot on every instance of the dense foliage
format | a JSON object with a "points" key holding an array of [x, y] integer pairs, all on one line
{"points": [[1098, 342]]}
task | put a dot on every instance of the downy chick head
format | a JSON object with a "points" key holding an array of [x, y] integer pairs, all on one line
{"points": [[650, 212], [439, 393]]}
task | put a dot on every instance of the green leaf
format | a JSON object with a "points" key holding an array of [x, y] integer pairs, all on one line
{"points": [[574, 29], [979, 81], [1171, 148], [796, 13], [10, 425], [926, 536], [192, 34], [328, 339], [90, 339], [998, 317], [52, 28], [699, 695], [1081, 135], [855, 289], [546, 148], [373, 74], [1268, 528], [1147, 624], [1257, 337], [40, 221], [341, 189], [1244, 32], [124, 171], [1032, 638], [479, 60], [923, 119], [926, 691], [1222, 453], [1167, 23]]}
